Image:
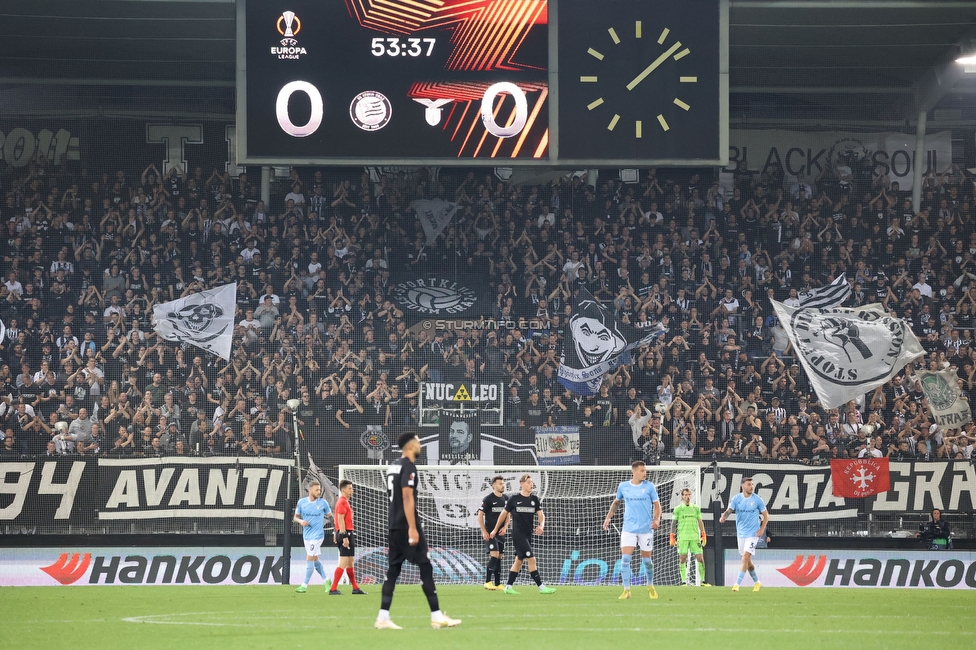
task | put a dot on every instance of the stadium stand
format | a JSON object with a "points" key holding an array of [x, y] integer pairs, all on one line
{"points": [[87, 255]]}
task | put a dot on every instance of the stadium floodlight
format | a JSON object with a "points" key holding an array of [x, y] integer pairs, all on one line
{"points": [[968, 62]]}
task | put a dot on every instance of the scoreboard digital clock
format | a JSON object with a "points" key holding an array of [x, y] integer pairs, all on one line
{"points": [[581, 82], [362, 80]]}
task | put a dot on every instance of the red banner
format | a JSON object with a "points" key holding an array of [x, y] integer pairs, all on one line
{"points": [[861, 477]]}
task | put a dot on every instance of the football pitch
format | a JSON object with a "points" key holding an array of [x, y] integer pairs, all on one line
{"points": [[573, 617]]}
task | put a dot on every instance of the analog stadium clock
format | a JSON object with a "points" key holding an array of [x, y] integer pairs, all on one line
{"points": [[639, 81]]}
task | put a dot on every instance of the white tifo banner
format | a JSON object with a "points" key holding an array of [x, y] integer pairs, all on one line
{"points": [[812, 568], [807, 153]]}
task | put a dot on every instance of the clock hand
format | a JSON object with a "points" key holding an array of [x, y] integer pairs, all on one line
{"points": [[651, 68]]}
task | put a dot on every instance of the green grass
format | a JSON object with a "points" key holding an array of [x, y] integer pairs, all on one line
{"points": [[573, 617]]}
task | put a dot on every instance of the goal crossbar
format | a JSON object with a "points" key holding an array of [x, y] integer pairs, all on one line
{"points": [[574, 549]]}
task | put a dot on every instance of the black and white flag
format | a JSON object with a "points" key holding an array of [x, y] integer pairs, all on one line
{"points": [[204, 319], [329, 491], [833, 295], [848, 352], [434, 215], [596, 343]]}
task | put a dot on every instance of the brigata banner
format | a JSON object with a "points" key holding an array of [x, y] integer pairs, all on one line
{"points": [[795, 492], [160, 488], [820, 568], [41, 492], [86, 565]]}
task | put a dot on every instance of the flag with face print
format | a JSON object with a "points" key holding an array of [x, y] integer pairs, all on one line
{"points": [[596, 343]]}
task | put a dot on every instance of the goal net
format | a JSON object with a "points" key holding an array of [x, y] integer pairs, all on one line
{"points": [[575, 550]]}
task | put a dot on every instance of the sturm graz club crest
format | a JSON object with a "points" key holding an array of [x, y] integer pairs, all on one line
{"points": [[941, 395], [848, 348], [375, 441], [433, 295]]}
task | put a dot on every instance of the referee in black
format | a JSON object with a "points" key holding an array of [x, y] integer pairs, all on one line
{"points": [[406, 541]]}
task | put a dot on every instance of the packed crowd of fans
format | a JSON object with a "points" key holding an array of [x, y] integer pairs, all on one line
{"points": [[87, 256]]}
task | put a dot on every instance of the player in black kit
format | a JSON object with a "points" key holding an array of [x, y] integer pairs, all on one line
{"points": [[522, 509], [492, 506], [406, 540]]}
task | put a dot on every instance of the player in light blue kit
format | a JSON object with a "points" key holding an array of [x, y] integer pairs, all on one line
{"points": [[311, 512], [751, 517], [642, 516]]}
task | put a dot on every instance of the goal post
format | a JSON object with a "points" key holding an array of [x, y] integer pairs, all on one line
{"points": [[575, 550]]}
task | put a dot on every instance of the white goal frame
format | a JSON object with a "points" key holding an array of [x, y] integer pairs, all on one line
{"points": [[463, 492]]}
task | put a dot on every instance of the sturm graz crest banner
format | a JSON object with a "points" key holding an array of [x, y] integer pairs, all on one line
{"points": [[848, 352], [204, 319], [440, 294], [947, 403]]}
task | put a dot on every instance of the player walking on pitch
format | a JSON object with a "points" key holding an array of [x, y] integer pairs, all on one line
{"points": [[311, 512], [344, 538], [691, 536], [407, 542], [522, 508], [751, 518], [642, 516], [492, 506]]}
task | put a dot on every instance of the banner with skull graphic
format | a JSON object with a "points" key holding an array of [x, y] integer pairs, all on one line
{"points": [[946, 401], [597, 343], [204, 319], [847, 352]]}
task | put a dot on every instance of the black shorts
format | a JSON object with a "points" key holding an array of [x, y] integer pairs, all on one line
{"points": [[523, 546], [401, 551], [496, 545], [343, 551]]}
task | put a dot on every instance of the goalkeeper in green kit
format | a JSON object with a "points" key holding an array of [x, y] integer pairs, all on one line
{"points": [[687, 520]]}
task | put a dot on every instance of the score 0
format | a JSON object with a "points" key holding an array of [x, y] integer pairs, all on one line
{"points": [[318, 109]]}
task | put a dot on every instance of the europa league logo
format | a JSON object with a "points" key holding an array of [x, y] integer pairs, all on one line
{"points": [[288, 26]]}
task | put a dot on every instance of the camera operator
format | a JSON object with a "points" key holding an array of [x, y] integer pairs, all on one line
{"points": [[936, 533]]}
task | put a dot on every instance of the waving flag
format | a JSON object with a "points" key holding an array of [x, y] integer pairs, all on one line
{"points": [[947, 403], [848, 352], [833, 295], [204, 319], [596, 343], [860, 477], [329, 491], [434, 215]]}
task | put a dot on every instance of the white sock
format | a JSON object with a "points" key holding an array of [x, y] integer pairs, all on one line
{"points": [[305, 584], [384, 615], [436, 615]]}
